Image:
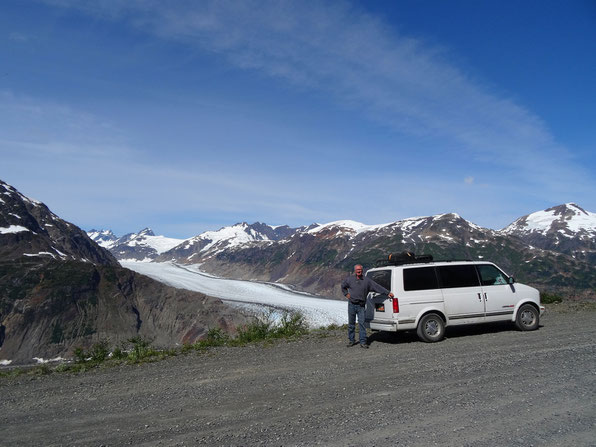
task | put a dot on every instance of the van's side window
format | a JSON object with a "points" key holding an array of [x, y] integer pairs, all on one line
{"points": [[423, 278], [381, 277], [458, 276], [491, 276]]}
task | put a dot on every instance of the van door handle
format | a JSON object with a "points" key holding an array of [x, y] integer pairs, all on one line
{"points": [[479, 297], [485, 298]]}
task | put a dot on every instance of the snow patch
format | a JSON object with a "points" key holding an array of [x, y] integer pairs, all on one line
{"points": [[41, 360], [41, 253], [347, 226], [13, 229]]}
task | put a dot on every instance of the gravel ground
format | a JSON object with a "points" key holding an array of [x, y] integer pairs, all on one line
{"points": [[486, 385]]}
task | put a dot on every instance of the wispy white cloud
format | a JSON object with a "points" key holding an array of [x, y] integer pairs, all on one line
{"points": [[402, 82], [410, 87], [18, 37]]}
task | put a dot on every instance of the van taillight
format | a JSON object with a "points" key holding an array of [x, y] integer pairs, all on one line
{"points": [[395, 306]]}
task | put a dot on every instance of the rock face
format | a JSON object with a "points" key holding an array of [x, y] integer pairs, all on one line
{"points": [[48, 309], [59, 290]]}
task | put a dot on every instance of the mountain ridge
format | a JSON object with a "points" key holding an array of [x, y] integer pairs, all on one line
{"points": [[315, 257], [60, 290]]}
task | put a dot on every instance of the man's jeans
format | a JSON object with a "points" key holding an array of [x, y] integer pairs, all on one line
{"points": [[353, 310]]}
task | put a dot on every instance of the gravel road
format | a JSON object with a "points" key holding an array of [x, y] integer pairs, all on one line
{"points": [[483, 386]]}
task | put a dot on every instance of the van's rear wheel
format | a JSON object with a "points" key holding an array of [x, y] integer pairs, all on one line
{"points": [[527, 318], [431, 328]]}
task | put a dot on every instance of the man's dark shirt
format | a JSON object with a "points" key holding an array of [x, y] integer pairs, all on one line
{"points": [[359, 288]]}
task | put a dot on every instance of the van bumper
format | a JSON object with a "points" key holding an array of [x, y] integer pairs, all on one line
{"points": [[382, 325]]}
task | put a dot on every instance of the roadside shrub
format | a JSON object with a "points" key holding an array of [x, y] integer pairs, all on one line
{"points": [[291, 325], [15, 372], [80, 355], [63, 367], [100, 351], [141, 349], [42, 370], [550, 298], [217, 337], [118, 353], [258, 330]]}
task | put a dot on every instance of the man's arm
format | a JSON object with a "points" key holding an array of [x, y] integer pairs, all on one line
{"points": [[374, 287], [344, 288]]}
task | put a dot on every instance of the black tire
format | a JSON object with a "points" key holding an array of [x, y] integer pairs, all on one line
{"points": [[528, 318], [431, 328]]}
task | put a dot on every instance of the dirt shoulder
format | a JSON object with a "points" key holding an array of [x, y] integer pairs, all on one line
{"points": [[482, 386]]}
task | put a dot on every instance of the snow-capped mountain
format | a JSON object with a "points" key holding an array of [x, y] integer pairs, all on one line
{"points": [[210, 243], [103, 238], [549, 247], [141, 246], [565, 228], [315, 258], [28, 229]]}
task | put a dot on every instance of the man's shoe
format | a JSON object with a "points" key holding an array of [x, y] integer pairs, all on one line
{"points": [[352, 343], [363, 345]]}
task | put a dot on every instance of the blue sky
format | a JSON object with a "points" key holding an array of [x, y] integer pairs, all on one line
{"points": [[188, 116]]}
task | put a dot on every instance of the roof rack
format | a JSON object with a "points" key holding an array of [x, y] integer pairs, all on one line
{"points": [[408, 257]]}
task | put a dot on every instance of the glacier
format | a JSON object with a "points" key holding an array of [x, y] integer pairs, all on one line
{"points": [[317, 311]]}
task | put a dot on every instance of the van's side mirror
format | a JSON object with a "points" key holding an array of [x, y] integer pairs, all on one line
{"points": [[511, 280]]}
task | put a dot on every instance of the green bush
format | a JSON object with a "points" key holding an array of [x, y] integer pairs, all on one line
{"points": [[258, 330], [80, 355], [550, 298], [41, 370], [215, 337], [139, 349], [100, 350], [290, 325], [118, 353]]}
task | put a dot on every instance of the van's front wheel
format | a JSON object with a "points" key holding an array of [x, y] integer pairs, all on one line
{"points": [[431, 328], [527, 318]]}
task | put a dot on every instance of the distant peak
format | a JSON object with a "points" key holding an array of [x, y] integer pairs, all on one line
{"points": [[567, 209], [146, 232]]}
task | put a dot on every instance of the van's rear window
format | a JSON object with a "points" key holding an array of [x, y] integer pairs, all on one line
{"points": [[458, 276], [423, 278], [381, 277]]}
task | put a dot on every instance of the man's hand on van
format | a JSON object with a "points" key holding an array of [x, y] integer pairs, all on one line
{"points": [[390, 295]]}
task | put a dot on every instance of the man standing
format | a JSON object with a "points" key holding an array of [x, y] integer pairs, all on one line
{"points": [[355, 288]]}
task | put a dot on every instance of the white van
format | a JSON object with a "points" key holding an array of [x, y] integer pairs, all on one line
{"points": [[433, 295]]}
